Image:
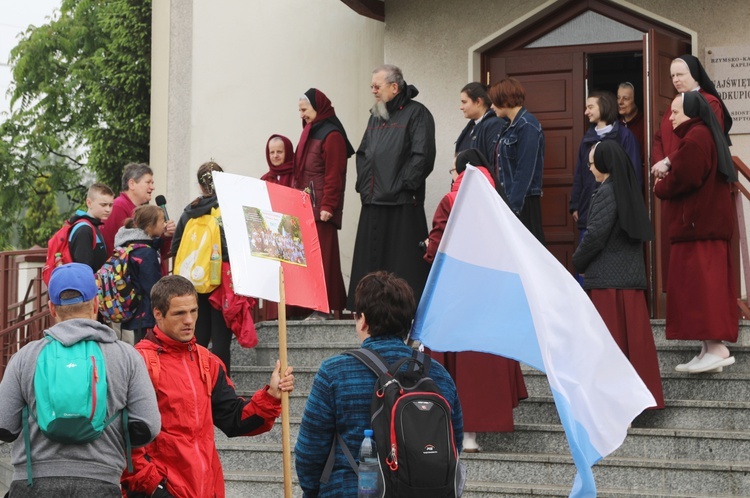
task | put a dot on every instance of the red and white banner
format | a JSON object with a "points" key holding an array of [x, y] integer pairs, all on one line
{"points": [[267, 226]]}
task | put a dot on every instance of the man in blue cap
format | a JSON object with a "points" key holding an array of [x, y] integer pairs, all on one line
{"points": [[94, 468]]}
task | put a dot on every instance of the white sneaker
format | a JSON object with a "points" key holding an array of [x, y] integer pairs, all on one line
{"points": [[683, 367], [470, 442]]}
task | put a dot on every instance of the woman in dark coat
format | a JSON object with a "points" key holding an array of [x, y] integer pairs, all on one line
{"points": [[320, 169], [611, 256], [701, 299], [483, 128], [483, 410]]}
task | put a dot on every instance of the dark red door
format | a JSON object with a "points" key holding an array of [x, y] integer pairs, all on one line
{"points": [[553, 80]]}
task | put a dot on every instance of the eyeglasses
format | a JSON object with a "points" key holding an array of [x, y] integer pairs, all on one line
{"points": [[591, 164], [378, 87], [451, 171]]}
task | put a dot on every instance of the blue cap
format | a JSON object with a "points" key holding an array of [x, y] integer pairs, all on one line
{"points": [[75, 277], [369, 433]]}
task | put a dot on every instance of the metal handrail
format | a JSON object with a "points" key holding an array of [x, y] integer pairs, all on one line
{"points": [[744, 172], [21, 320]]}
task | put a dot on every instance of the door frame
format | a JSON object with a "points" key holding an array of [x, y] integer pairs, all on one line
{"points": [[513, 40]]}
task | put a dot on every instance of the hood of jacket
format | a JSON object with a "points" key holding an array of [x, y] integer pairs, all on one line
{"points": [[125, 236], [200, 206], [402, 98], [75, 330]]}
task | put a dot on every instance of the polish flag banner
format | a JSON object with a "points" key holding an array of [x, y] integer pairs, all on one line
{"points": [[268, 226]]}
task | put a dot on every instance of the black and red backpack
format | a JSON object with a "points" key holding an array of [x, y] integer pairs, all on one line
{"points": [[413, 430]]}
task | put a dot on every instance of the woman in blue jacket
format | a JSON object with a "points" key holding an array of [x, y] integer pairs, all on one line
{"points": [[520, 154]]}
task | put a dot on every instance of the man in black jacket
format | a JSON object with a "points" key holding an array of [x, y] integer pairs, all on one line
{"points": [[396, 155]]}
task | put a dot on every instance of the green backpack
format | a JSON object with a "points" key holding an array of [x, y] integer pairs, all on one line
{"points": [[70, 387]]}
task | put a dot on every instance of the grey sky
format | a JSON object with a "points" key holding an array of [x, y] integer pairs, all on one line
{"points": [[15, 17]]}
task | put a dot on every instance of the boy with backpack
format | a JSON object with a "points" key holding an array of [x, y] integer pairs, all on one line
{"points": [[80, 239], [73, 401], [341, 396]]}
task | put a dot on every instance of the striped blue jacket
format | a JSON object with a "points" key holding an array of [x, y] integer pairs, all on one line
{"points": [[339, 401]]}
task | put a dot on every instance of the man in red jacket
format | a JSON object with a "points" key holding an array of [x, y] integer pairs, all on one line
{"points": [[194, 394]]}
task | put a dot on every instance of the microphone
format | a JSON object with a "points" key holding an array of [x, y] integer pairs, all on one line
{"points": [[161, 201]]}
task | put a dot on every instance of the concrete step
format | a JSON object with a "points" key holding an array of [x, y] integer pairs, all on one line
{"points": [[268, 485], [658, 327], [699, 478], [715, 387], [726, 386], [671, 355], [678, 414], [650, 443]]}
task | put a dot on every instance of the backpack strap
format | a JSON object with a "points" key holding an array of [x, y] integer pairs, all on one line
{"points": [[328, 469], [153, 366], [77, 224], [205, 366], [371, 359]]}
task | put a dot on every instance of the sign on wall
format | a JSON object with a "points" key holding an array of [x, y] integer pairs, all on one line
{"points": [[729, 69]]}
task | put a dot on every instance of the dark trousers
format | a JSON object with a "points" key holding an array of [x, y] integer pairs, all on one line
{"points": [[68, 487], [211, 327]]}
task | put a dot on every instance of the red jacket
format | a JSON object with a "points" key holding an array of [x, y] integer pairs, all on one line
{"points": [[442, 213], [194, 394]]}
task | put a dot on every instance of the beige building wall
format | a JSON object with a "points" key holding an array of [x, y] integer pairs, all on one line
{"points": [[430, 41], [228, 74]]}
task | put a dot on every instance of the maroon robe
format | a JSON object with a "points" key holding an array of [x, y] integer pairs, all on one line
{"points": [[665, 144], [700, 224]]}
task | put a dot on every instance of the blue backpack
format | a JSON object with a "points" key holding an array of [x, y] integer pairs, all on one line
{"points": [[70, 388]]}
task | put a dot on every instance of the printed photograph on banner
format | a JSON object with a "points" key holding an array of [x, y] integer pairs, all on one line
{"points": [[275, 236]]}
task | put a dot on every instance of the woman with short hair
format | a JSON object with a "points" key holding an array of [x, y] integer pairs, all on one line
{"points": [[520, 154]]}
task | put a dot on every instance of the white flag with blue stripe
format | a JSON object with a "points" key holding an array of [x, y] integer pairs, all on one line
{"points": [[494, 288]]}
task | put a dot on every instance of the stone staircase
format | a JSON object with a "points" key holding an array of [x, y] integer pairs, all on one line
{"points": [[699, 446]]}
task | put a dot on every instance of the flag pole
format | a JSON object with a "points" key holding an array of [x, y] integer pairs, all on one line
{"points": [[285, 439]]}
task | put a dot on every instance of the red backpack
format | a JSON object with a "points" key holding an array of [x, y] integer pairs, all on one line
{"points": [[58, 247]]}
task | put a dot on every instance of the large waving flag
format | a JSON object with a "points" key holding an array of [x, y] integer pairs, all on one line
{"points": [[494, 288]]}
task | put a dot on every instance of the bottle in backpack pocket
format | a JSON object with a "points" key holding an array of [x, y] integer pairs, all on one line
{"points": [[370, 484], [215, 266]]}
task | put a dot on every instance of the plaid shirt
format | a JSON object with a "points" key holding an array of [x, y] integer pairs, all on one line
{"points": [[339, 401]]}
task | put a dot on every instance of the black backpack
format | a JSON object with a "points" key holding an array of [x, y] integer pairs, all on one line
{"points": [[413, 430]]}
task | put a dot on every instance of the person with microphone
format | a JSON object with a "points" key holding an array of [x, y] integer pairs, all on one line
{"points": [[137, 186]]}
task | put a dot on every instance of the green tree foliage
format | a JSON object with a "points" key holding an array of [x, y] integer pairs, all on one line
{"points": [[41, 216], [81, 83]]}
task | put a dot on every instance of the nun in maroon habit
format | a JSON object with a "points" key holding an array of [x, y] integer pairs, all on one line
{"points": [[280, 159], [701, 298], [320, 169]]}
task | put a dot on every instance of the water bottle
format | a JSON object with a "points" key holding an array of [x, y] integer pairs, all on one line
{"points": [[370, 478], [214, 271]]}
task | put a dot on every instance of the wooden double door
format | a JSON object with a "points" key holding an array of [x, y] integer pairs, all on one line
{"points": [[556, 81]]}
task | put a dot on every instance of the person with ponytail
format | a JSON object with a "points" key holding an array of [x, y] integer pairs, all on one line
{"points": [[611, 257], [144, 265]]}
